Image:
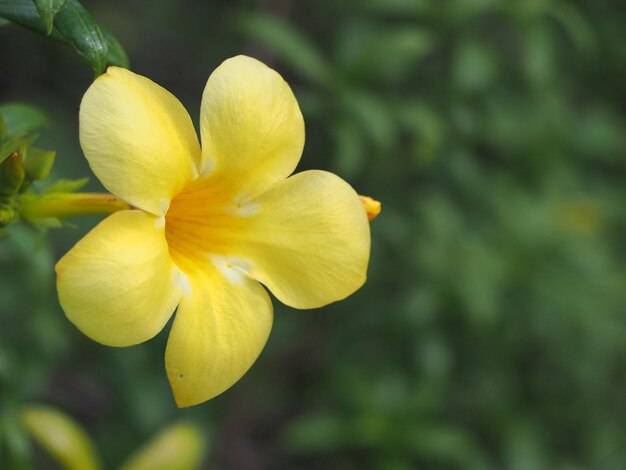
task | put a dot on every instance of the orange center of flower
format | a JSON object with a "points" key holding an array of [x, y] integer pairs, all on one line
{"points": [[202, 221]]}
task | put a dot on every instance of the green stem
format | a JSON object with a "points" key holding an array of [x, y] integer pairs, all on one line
{"points": [[68, 205]]}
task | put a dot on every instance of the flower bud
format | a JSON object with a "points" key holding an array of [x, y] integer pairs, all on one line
{"points": [[11, 174], [372, 207], [8, 215]]}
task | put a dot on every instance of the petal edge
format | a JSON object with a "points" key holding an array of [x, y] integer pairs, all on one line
{"points": [[118, 285], [138, 139], [309, 241], [251, 125], [218, 333]]}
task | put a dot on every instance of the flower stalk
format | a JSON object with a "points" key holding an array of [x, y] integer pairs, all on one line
{"points": [[60, 206]]}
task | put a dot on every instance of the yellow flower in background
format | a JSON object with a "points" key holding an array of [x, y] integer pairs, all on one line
{"points": [[211, 224]]}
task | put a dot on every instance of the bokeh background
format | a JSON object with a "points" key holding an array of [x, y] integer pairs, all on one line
{"points": [[490, 334]]}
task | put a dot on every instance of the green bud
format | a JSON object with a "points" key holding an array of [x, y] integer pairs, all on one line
{"points": [[39, 163], [11, 174], [8, 215]]}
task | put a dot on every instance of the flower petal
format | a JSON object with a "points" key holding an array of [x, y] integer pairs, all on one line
{"points": [[251, 126], [138, 138], [219, 331], [309, 240], [118, 284]]}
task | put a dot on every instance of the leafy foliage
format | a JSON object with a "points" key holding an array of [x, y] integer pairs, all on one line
{"points": [[47, 10], [179, 446], [69, 22], [19, 118]]}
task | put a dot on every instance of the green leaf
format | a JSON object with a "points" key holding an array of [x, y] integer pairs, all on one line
{"points": [[72, 25], [64, 439], [3, 129], [76, 25], [48, 9], [426, 128], [575, 24], [290, 45], [406, 8], [15, 449], [350, 146], [21, 118], [117, 54], [473, 67], [372, 114], [368, 52], [47, 222], [315, 433], [66, 186], [24, 13], [179, 446]]}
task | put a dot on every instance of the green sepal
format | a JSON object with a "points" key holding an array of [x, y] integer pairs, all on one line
{"points": [[39, 163], [48, 222], [18, 143], [66, 186], [12, 174]]}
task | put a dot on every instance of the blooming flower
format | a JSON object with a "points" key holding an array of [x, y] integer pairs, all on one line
{"points": [[209, 225]]}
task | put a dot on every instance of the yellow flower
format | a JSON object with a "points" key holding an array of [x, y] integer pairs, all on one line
{"points": [[211, 224]]}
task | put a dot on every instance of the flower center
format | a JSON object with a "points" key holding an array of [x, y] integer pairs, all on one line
{"points": [[202, 221]]}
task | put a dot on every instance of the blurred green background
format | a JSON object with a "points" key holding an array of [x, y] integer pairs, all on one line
{"points": [[490, 334]]}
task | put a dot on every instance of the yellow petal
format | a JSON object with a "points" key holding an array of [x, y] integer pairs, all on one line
{"points": [[309, 240], [138, 138], [118, 285], [219, 330], [179, 446], [61, 437], [251, 126]]}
